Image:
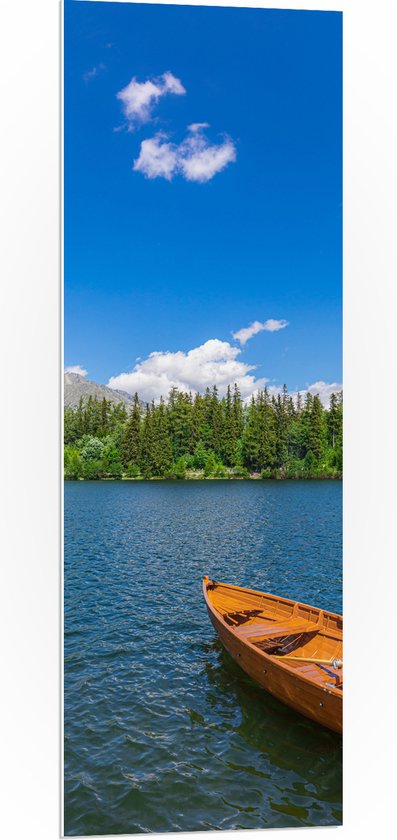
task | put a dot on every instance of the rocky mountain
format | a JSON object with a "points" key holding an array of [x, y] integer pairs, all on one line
{"points": [[76, 386]]}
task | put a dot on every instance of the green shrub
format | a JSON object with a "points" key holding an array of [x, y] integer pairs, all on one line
{"points": [[178, 469], [266, 473], [133, 471], [93, 449]]}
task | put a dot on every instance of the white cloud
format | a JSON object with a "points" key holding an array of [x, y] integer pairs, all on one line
{"points": [[76, 369], [172, 85], [157, 158], [139, 98], [324, 390], [196, 159], [197, 126], [213, 363], [271, 325], [199, 160]]}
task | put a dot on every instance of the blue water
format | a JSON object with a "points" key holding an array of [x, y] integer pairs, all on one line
{"points": [[163, 731]]}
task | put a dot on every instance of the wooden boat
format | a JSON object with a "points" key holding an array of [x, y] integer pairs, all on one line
{"points": [[292, 650]]}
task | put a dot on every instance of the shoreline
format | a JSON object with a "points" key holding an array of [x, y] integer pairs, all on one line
{"points": [[141, 479]]}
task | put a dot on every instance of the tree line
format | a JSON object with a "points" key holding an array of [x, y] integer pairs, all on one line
{"points": [[205, 436]]}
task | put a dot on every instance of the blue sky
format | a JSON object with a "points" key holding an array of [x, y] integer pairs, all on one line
{"points": [[174, 245]]}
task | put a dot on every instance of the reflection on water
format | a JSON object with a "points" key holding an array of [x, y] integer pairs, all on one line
{"points": [[163, 731]]}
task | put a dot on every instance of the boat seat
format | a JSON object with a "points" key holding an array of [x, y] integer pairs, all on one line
{"points": [[274, 629]]}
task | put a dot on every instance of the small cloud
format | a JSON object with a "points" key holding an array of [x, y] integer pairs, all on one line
{"points": [[197, 126], [139, 98], [157, 158], [76, 369], [200, 160], [324, 390], [195, 159], [271, 325], [172, 85], [90, 74]]}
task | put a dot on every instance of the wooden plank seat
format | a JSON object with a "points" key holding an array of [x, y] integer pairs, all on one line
{"points": [[278, 629]]}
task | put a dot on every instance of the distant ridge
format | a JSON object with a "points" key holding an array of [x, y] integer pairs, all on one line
{"points": [[76, 386]]}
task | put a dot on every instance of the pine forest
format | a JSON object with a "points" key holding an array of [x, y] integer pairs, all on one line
{"points": [[205, 436]]}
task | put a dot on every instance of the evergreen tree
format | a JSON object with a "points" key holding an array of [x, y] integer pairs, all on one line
{"points": [[238, 412], [317, 430], [229, 430], [146, 463], [161, 455], [216, 422], [131, 445], [104, 422], [266, 431], [334, 419], [200, 455], [80, 419], [250, 439], [180, 412], [197, 422], [281, 428], [70, 426], [89, 417]]}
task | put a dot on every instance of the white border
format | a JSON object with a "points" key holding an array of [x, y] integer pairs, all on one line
{"points": [[30, 350]]}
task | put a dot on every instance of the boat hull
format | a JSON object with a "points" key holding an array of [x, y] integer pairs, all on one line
{"points": [[318, 703]]}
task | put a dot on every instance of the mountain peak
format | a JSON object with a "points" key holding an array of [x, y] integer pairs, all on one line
{"points": [[76, 386]]}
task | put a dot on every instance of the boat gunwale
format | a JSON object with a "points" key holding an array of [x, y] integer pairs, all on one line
{"points": [[279, 598], [278, 663]]}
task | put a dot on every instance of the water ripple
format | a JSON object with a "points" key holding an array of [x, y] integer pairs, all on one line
{"points": [[163, 732]]}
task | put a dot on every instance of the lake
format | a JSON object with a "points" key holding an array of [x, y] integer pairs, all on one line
{"points": [[163, 731]]}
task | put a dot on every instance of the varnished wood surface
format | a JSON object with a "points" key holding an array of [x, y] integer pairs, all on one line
{"points": [[286, 646]]}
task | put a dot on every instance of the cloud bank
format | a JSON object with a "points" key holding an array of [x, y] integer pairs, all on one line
{"points": [[212, 363], [195, 159], [76, 369], [139, 98], [271, 325]]}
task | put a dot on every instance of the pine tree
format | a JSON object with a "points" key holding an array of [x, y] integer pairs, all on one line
{"points": [[80, 419], [180, 411], [229, 430], [317, 430], [196, 432], [96, 418], [238, 411], [281, 428], [250, 440], [131, 445], [200, 455], [88, 417], [104, 424], [216, 422], [69, 426], [146, 463], [334, 419], [266, 431], [161, 455]]}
